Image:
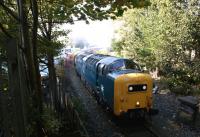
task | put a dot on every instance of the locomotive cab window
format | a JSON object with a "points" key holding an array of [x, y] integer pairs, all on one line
{"points": [[131, 65], [123, 64]]}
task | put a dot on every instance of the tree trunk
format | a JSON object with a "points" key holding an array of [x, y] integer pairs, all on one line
{"points": [[53, 81], [34, 45], [25, 43], [38, 93], [16, 91], [51, 69], [29, 61]]}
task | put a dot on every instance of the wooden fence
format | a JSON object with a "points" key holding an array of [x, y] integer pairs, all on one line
{"points": [[68, 106], [74, 117]]}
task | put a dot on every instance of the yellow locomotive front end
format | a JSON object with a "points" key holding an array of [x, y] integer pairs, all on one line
{"points": [[132, 92]]}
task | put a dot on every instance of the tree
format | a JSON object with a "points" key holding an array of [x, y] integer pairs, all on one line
{"points": [[162, 35], [21, 66]]}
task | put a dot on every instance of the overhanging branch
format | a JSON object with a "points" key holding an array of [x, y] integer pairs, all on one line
{"points": [[41, 70], [13, 14], [59, 22], [42, 61]]}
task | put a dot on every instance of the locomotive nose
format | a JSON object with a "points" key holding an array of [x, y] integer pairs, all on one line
{"points": [[133, 91]]}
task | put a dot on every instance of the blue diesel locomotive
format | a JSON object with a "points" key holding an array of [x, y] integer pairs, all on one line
{"points": [[117, 82]]}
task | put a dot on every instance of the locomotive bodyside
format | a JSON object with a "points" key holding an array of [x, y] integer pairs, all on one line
{"points": [[118, 83], [90, 71], [78, 61]]}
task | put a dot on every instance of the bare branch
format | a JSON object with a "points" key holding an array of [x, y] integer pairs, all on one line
{"points": [[42, 61], [42, 30], [60, 22], [41, 70]]}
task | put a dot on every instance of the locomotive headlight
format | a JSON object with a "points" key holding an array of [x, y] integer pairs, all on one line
{"points": [[137, 103], [144, 87], [130, 88]]}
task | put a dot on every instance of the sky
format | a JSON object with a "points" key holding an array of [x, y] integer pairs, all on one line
{"points": [[97, 33]]}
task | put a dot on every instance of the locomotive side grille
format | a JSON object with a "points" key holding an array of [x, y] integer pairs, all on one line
{"points": [[139, 87]]}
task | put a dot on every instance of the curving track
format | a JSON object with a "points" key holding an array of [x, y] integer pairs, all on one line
{"points": [[101, 123]]}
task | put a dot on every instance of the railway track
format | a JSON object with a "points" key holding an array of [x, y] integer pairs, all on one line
{"points": [[128, 127], [136, 127]]}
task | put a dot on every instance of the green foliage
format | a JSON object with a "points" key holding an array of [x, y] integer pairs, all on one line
{"points": [[164, 35], [45, 47], [79, 107], [9, 24], [51, 122]]}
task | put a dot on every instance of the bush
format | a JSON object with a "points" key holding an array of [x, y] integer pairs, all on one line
{"points": [[51, 122], [179, 87], [79, 107], [181, 78]]}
